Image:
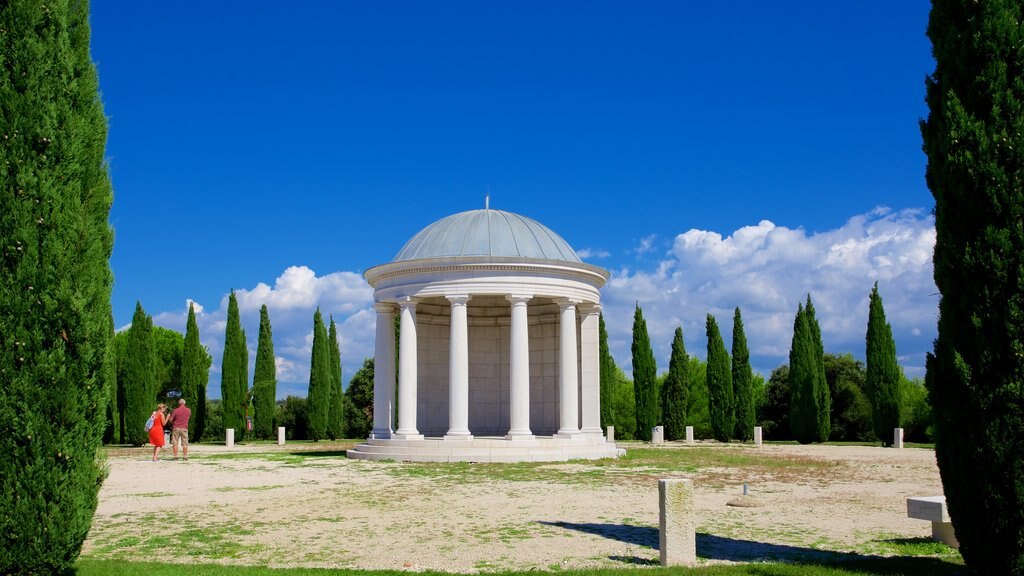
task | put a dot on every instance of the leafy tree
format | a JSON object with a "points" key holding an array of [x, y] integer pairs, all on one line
{"points": [[915, 410], [719, 378], [882, 383], [232, 375], [245, 409], [623, 405], [821, 389], [973, 137], [214, 426], [195, 373], [644, 378], [319, 395], [774, 412], [264, 382], [851, 411], [359, 402], [168, 345], [55, 285], [742, 381], [803, 373], [607, 376], [698, 413], [676, 390], [293, 414], [140, 376], [336, 410]]}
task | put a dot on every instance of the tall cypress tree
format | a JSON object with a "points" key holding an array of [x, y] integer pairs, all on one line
{"points": [[264, 381], [140, 376], [645, 380], [742, 379], [719, 377], [231, 374], [676, 391], [245, 407], [55, 284], [974, 138], [318, 397], [336, 410], [803, 402], [607, 376], [821, 390], [195, 373], [882, 378]]}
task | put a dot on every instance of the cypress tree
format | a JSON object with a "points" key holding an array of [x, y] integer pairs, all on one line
{"points": [[882, 379], [803, 400], [719, 377], [676, 392], [644, 378], [55, 285], [821, 390], [742, 381], [140, 376], [264, 382], [231, 375], [318, 397], [607, 376], [973, 140], [245, 407], [336, 410], [195, 373]]}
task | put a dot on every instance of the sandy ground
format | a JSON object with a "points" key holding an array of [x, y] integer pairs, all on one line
{"points": [[329, 511]]}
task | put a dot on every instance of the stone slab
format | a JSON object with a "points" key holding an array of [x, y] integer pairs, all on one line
{"points": [[658, 435], [689, 434], [897, 438], [928, 508], [677, 523], [229, 437], [280, 435], [757, 435], [611, 433]]}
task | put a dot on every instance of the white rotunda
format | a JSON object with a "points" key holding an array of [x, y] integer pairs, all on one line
{"points": [[498, 346]]}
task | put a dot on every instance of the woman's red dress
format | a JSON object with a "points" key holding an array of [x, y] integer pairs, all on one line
{"points": [[156, 433]]}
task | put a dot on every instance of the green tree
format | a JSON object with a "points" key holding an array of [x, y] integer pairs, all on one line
{"points": [[319, 395], [698, 413], [773, 414], [168, 345], [359, 402], [55, 285], [293, 414], [232, 374], [140, 376], [973, 138], [195, 373], [644, 378], [245, 408], [803, 373], [264, 381], [607, 375], [624, 405], [851, 410], [882, 382], [676, 390], [719, 378], [742, 381], [821, 390], [336, 409], [915, 410]]}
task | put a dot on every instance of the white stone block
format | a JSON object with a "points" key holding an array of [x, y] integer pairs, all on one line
{"points": [[677, 525], [229, 437], [897, 437], [658, 435], [933, 508], [689, 434], [611, 433], [757, 435], [280, 435]]}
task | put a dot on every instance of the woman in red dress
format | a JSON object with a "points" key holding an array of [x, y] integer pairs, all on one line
{"points": [[156, 433]]}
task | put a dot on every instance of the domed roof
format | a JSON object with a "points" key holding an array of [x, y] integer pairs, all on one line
{"points": [[487, 233]]}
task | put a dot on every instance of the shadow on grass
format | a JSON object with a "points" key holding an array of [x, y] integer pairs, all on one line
{"points": [[317, 454], [711, 547]]}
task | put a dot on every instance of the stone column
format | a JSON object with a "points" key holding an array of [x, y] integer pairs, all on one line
{"points": [[384, 371], [229, 437], [689, 434], [897, 437], [519, 370], [280, 435], [568, 377], [590, 378], [407, 373], [757, 435], [677, 526], [458, 371]]}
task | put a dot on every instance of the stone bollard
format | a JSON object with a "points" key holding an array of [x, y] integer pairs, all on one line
{"points": [[677, 537], [897, 437], [229, 437], [280, 435], [658, 435], [757, 435], [611, 433], [689, 434]]}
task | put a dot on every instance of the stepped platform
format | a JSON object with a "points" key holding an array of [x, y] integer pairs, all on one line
{"points": [[488, 449]]}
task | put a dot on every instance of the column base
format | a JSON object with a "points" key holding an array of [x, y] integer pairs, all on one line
{"points": [[380, 435], [592, 432], [407, 436], [569, 434], [457, 436], [519, 435]]}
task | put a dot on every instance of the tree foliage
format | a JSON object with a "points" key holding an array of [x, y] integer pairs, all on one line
{"points": [[644, 378], [821, 389], [359, 402], [607, 374], [851, 411], [698, 413], [742, 381], [195, 373], [882, 384], [719, 379], [974, 138], [264, 381], [676, 390], [55, 285], [139, 376], [232, 374], [320, 378], [803, 373], [337, 409]]}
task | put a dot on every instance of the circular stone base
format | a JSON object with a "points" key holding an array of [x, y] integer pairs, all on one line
{"points": [[488, 449]]}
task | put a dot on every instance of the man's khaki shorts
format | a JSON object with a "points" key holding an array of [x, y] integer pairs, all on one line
{"points": [[179, 435]]}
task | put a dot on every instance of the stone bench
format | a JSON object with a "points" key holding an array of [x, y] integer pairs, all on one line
{"points": [[933, 508]]}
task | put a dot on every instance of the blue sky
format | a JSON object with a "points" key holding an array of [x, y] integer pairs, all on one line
{"points": [[710, 155]]}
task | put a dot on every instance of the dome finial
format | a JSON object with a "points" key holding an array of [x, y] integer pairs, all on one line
{"points": [[487, 199]]}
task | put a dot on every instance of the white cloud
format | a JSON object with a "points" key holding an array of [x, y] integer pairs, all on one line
{"points": [[592, 254], [767, 270], [646, 244]]}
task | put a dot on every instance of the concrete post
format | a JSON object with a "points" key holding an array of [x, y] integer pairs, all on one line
{"points": [[611, 434], [897, 437], [658, 435], [677, 526], [689, 434], [229, 439], [757, 435], [280, 435]]}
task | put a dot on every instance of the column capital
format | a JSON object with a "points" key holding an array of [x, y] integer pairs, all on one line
{"points": [[384, 307], [588, 308], [564, 303], [518, 298], [407, 302], [458, 299]]}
